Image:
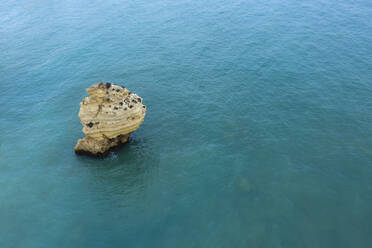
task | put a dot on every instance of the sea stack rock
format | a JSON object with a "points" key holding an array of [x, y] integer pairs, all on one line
{"points": [[109, 115]]}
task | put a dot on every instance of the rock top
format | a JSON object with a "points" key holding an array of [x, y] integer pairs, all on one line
{"points": [[109, 115]]}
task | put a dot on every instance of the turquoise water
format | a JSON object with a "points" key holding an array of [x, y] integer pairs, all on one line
{"points": [[258, 130]]}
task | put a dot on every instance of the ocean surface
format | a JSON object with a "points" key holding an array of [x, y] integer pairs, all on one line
{"points": [[258, 130]]}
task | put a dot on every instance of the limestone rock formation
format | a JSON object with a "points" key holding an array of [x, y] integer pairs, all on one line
{"points": [[109, 115]]}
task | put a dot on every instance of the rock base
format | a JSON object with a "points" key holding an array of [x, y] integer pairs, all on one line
{"points": [[99, 147]]}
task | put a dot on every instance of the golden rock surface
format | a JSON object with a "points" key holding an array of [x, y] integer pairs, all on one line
{"points": [[109, 115]]}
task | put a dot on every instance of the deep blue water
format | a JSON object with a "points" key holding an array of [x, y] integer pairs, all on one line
{"points": [[258, 130]]}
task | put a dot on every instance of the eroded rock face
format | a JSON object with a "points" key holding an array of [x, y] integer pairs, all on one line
{"points": [[109, 115]]}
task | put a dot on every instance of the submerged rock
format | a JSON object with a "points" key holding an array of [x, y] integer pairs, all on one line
{"points": [[245, 185], [109, 115]]}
